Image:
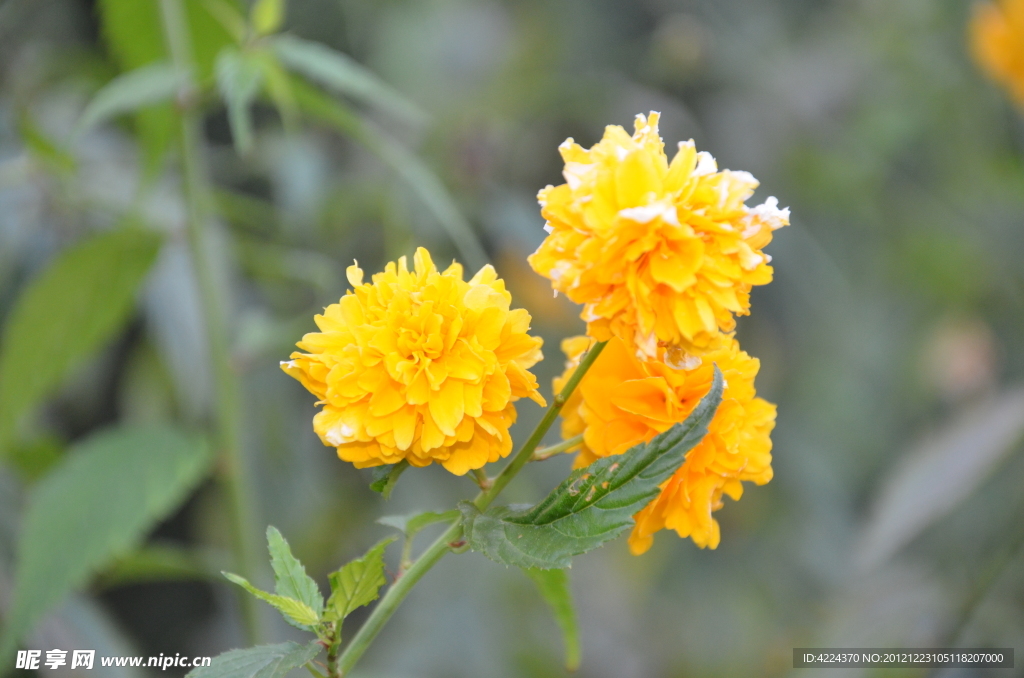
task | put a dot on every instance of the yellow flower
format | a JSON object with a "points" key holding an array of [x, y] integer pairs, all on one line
{"points": [[659, 253], [997, 40], [419, 365], [623, 401]]}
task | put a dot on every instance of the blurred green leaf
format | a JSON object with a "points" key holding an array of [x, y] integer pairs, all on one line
{"points": [[938, 473], [239, 78], [95, 507], [79, 302], [267, 16], [407, 165], [357, 583], [262, 661], [155, 562], [34, 459], [229, 17], [278, 87], [385, 477], [133, 31], [290, 576], [278, 262], [554, 588], [295, 612], [411, 524], [43, 148], [593, 505], [133, 34], [128, 92], [246, 212], [344, 75]]}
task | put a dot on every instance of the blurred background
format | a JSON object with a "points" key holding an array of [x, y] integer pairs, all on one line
{"points": [[891, 338]]}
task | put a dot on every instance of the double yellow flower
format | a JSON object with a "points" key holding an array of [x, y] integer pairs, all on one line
{"points": [[425, 367]]}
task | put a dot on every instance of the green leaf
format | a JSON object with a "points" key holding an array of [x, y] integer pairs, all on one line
{"points": [[554, 588], [262, 661], [147, 85], [267, 16], [133, 31], [290, 576], [34, 459], [239, 78], [410, 524], [294, 611], [157, 562], [48, 153], [95, 507], [79, 302], [593, 505], [407, 165], [357, 583], [278, 88], [227, 14], [344, 75], [385, 477]]}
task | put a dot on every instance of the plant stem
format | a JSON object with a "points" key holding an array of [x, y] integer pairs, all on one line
{"points": [[394, 597], [198, 202], [332, 656], [551, 450], [401, 588], [526, 451]]}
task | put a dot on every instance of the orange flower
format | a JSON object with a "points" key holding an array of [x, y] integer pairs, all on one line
{"points": [[623, 401], [997, 40], [659, 253], [419, 365]]}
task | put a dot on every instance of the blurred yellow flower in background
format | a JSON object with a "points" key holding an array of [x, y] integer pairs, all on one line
{"points": [[419, 365], [623, 401], [997, 40], [659, 253]]}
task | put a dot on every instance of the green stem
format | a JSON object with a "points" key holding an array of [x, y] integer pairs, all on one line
{"points": [[551, 450], [453, 535], [526, 451], [394, 597], [198, 202]]}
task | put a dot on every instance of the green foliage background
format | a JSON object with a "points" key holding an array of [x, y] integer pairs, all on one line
{"points": [[892, 338]]}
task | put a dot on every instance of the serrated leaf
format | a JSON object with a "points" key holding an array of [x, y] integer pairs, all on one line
{"points": [[410, 524], [357, 583], [344, 75], [239, 78], [147, 85], [554, 588], [262, 661], [410, 168], [79, 302], [593, 505], [385, 477], [267, 16], [290, 576], [294, 611], [76, 523]]}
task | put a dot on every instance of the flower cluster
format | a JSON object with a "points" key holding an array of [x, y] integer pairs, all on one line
{"points": [[660, 254], [623, 400], [419, 366], [997, 40]]}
